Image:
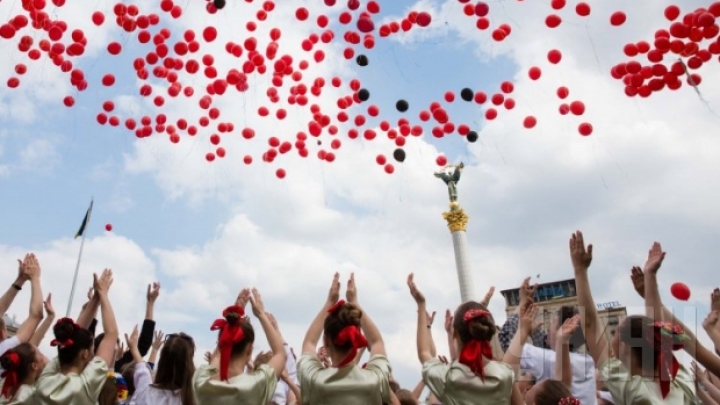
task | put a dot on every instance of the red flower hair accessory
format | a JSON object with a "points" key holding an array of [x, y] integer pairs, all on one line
{"points": [[668, 337], [10, 362], [230, 333], [569, 401], [336, 307], [354, 335], [473, 352]]}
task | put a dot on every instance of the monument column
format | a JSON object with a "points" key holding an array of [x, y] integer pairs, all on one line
{"points": [[457, 222]]}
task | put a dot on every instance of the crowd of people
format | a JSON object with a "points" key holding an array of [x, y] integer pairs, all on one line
{"points": [[343, 358]]}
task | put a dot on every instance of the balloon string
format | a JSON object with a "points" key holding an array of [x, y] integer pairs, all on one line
{"points": [[694, 85]]}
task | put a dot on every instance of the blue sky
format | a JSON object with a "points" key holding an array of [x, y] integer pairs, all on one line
{"points": [[206, 230]]}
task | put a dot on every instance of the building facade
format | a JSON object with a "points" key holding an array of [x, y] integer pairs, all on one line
{"points": [[11, 325], [549, 297]]}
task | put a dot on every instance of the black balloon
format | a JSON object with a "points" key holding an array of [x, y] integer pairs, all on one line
{"points": [[363, 95], [472, 136], [399, 155], [219, 4], [362, 60], [402, 105], [467, 94]]}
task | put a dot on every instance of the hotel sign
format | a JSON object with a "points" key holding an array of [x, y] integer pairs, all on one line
{"points": [[608, 305]]}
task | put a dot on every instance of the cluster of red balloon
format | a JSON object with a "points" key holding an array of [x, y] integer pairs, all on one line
{"points": [[693, 41]]}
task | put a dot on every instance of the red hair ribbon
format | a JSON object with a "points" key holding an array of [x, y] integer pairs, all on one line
{"points": [[67, 342], [354, 335], [10, 375], [230, 333], [569, 401], [667, 364], [473, 352], [336, 307]]}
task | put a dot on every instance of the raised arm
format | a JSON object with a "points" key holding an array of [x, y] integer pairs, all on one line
{"points": [[424, 344], [448, 332], [41, 331], [312, 336], [28, 327], [653, 302], [581, 259], [275, 339], [488, 296], [525, 324], [7, 299], [563, 368], [712, 392], [106, 349], [89, 311], [157, 344], [371, 331]]}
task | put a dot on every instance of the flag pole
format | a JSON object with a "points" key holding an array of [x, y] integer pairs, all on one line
{"points": [[77, 266]]}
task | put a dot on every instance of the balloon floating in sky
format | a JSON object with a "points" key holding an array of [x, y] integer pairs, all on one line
{"points": [[402, 105], [680, 291], [108, 227], [399, 155]]}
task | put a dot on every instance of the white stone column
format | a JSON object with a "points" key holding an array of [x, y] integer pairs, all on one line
{"points": [[457, 223]]}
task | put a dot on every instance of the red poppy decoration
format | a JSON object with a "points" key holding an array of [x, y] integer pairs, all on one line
{"points": [[67, 342], [11, 362], [230, 334], [668, 337], [473, 352]]}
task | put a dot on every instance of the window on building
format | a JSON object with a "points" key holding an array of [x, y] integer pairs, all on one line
{"points": [[613, 320]]}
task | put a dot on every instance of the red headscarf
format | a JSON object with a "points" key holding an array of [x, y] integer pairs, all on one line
{"points": [[350, 333], [67, 342], [668, 337], [474, 350], [11, 362], [230, 334]]}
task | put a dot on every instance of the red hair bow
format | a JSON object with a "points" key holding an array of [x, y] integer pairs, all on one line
{"points": [[230, 333], [336, 307], [668, 337], [67, 342], [10, 374], [569, 401], [473, 352], [354, 335]]}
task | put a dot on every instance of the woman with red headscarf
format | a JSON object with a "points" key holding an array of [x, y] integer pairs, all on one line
{"points": [[474, 375], [342, 325], [224, 381]]}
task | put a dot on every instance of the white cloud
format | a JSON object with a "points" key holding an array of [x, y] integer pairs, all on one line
{"points": [[39, 155]]}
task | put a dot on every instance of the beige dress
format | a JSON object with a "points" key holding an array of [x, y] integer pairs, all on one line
{"points": [[25, 395], [350, 385], [636, 390], [55, 388], [252, 388], [456, 384]]}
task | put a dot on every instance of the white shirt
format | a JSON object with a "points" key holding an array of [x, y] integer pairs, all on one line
{"points": [[541, 364], [282, 391], [146, 394], [9, 343]]}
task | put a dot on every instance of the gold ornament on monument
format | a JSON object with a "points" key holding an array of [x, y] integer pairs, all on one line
{"points": [[456, 218]]}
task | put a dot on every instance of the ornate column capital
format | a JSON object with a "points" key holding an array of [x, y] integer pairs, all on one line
{"points": [[456, 218]]}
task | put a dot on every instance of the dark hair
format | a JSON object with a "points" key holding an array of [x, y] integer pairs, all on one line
{"points": [[175, 368], [406, 397], [482, 328], [638, 333], [66, 331], [19, 360], [128, 373], [550, 392], [108, 394], [346, 315], [577, 340]]}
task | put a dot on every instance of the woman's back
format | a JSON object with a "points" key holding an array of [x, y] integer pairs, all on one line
{"points": [[456, 384], [256, 387], [627, 389], [350, 385], [56, 388]]}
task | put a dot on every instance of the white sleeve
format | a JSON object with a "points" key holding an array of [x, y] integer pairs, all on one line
{"points": [[533, 361], [290, 365], [8, 344], [142, 376]]}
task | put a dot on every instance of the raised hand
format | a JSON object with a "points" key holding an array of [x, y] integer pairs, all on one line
{"points": [[655, 259], [568, 328], [351, 291], [448, 321], [49, 310], [416, 294], [159, 340], [334, 292], [31, 267], [273, 321], [119, 350], [580, 255], [208, 357], [262, 358], [710, 321], [243, 298], [638, 280], [715, 300], [527, 291], [131, 340], [527, 318], [153, 291], [22, 273], [102, 284], [90, 293], [488, 296], [258, 307]]}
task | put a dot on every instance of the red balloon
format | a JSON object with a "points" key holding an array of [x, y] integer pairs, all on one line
{"points": [[423, 19], [98, 18], [577, 107], [108, 227], [563, 92], [69, 101], [672, 12], [209, 34], [389, 168], [553, 21], [534, 73], [618, 18], [680, 291], [585, 129], [554, 56], [529, 122], [302, 14], [441, 160], [108, 80], [114, 48], [365, 24], [557, 4], [582, 9]]}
